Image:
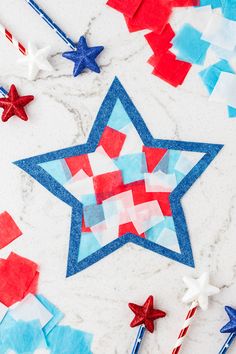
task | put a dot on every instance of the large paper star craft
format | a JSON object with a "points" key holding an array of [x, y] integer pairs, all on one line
{"points": [[199, 290], [84, 57], [13, 105], [123, 185], [36, 59], [230, 327], [145, 314]]}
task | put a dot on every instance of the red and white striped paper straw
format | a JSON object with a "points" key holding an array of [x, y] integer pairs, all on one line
{"points": [[12, 39], [188, 320]]}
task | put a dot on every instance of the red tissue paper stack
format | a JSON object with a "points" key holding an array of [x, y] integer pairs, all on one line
{"points": [[154, 15], [18, 277]]}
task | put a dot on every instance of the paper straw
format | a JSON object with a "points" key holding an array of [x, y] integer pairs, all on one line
{"points": [[138, 340], [13, 40], [188, 320], [50, 22], [228, 343], [3, 91]]}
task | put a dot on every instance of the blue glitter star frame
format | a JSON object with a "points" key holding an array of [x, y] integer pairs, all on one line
{"points": [[32, 167]]}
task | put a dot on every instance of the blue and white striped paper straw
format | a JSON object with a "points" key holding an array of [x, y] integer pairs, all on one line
{"points": [[138, 339], [3, 91], [228, 343], [50, 22]]}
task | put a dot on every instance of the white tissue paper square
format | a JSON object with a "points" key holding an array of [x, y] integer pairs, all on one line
{"points": [[3, 311], [29, 309], [220, 32], [225, 89]]}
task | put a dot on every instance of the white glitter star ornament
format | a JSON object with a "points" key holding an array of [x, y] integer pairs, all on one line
{"points": [[199, 290], [36, 59]]}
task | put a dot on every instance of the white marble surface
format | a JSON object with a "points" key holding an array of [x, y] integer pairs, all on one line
{"points": [[62, 114]]}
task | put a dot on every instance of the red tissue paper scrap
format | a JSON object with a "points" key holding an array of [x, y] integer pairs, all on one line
{"points": [[166, 66], [9, 231], [154, 15], [18, 277], [127, 8], [170, 69], [161, 42], [151, 14]]}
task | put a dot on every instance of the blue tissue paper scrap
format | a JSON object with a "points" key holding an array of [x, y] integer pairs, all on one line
{"points": [[229, 9], [113, 204], [211, 75], [26, 337], [57, 314], [213, 3], [66, 340], [22, 337], [189, 45]]}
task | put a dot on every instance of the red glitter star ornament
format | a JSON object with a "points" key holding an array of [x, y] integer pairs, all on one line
{"points": [[145, 314], [13, 105]]}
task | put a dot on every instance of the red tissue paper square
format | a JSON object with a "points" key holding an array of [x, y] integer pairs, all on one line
{"points": [[171, 70], [106, 185], [129, 228], [151, 14], [112, 142], [161, 42], [185, 3], [153, 157], [126, 7], [18, 277], [76, 163], [9, 231]]}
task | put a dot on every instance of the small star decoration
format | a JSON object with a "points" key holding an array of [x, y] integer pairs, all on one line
{"points": [[199, 290], [13, 105], [84, 57], [230, 327], [36, 59], [145, 314]]}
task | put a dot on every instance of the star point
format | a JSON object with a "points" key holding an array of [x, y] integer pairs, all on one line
{"points": [[145, 314], [84, 57], [230, 327], [199, 290], [13, 105], [37, 60]]}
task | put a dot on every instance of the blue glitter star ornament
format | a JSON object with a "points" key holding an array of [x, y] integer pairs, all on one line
{"points": [[123, 185], [84, 57], [230, 327]]}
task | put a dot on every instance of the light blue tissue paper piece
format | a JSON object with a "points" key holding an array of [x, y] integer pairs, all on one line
{"points": [[93, 214], [132, 166], [179, 176], [213, 3], [154, 232], [211, 75], [57, 314], [88, 199], [229, 9], [168, 239], [22, 337], [168, 162], [88, 245], [189, 45], [231, 112], [58, 169], [119, 117], [66, 340]]}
